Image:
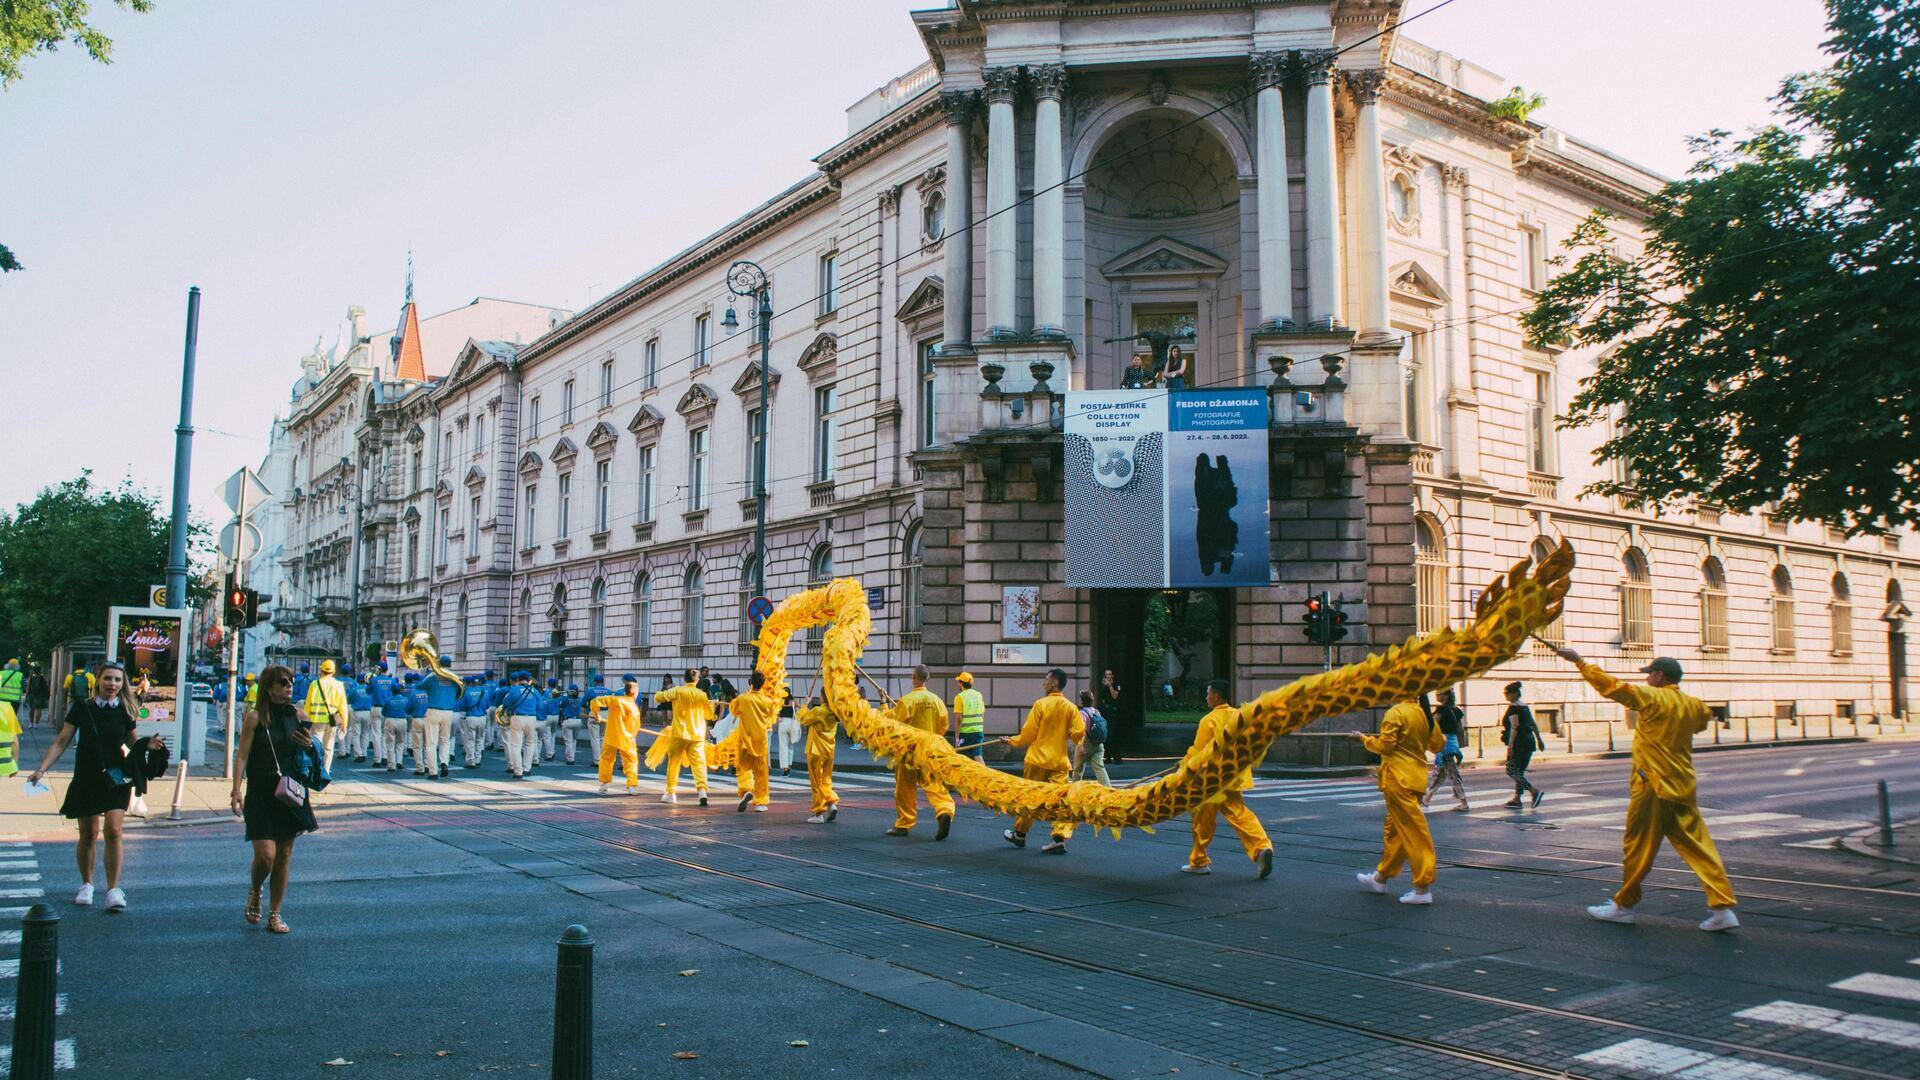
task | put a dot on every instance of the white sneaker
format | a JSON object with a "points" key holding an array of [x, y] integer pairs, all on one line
{"points": [[670, 798], [1416, 897], [1721, 919], [1371, 881], [816, 819], [116, 900], [603, 789], [1192, 869], [761, 809], [84, 896], [1611, 912]]}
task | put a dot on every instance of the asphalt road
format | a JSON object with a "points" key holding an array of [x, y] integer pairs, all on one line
{"points": [[425, 914]]}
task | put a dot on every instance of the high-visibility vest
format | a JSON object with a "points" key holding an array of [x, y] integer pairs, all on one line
{"points": [[11, 684], [9, 732], [973, 711]]}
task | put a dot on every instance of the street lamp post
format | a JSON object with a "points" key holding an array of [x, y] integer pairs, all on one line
{"points": [[746, 279]]}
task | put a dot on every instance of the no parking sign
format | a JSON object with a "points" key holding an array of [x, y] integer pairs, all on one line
{"points": [[758, 609]]}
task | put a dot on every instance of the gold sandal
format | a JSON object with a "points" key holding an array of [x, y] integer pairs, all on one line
{"points": [[277, 925], [253, 907]]}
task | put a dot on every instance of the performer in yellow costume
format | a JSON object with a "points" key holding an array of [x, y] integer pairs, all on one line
{"points": [[1407, 735], [921, 710], [9, 739], [1231, 804], [1661, 800], [621, 713], [754, 713], [1052, 723], [821, 727], [685, 740]]}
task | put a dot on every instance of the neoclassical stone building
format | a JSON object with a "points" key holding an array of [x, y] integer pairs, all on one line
{"points": [[1306, 200]]}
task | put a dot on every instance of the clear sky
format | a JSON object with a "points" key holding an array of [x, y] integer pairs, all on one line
{"points": [[285, 156]]}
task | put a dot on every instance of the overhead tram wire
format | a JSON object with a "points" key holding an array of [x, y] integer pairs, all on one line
{"points": [[865, 276]]}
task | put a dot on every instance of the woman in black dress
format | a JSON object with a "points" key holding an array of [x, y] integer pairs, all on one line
{"points": [[275, 732], [102, 777], [1522, 737]]}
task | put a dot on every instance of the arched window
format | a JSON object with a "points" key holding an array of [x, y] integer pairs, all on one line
{"points": [[642, 613], [746, 597], [693, 608], [912, 610], [1840, 616], [819, 573], [597, 615], [464, 632], [526, 619], [1713, 606], [1429, 575], [1636, 601], [1555, 632], [1781, 609]]}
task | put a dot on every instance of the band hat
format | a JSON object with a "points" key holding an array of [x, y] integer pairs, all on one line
{"points": [[1666, 665], [965, 677]]}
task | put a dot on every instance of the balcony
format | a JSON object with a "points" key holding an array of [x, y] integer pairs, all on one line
{"points": [[331, 609], [820, 494], [1543, 486], [1422, 458]]}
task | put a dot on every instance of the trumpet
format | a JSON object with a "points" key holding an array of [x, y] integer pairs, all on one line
{"points": [[420, 651]]}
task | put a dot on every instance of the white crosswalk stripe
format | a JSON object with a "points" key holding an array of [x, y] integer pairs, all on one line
{"points": [[1898, 987], [62, 1056], [59, 1008], [1645, 1057], [1880, 1029]]}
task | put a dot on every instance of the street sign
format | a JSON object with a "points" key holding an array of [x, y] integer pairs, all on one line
{"points": [[758, 609], [876, 597], [249, 546], [156, 596], [244, 488]]}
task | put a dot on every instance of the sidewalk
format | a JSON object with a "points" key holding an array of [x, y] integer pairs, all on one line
{"points": [[1905, 849]]}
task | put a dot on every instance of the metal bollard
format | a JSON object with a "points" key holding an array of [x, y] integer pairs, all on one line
{"points": [[1886, 823], [34, 1008], [573, 1006]]}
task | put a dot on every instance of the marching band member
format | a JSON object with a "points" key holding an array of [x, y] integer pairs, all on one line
{"points": [[621, 714], [1232, 804], [919, 708], [360, 702], [1407, 735], [1052, 723], [571, 724], [393, 718], [419, 726], [302, 682], [379, 692], [475, 719], [326, 703], [753, 712], [820, 725], [444, 694], [549, 720], [595, 720], [685, 740], [520, 703], [1662, 797]]}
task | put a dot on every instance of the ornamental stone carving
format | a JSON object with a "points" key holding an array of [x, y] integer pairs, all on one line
{"points": [[1049, 81], [1314, 66], [1003, 85], [934, 179], [1158, 87], [890, 199], [1269, 70], [959, 105], [1365, 86]]}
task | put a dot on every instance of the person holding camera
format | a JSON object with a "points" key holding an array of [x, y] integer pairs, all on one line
{"points": [[103, 777], [275, 742]]}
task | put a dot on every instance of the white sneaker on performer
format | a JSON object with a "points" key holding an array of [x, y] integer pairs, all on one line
{"points": [[603, 789], [1205, 868], [1721, 919], [1611, 912], [669, 797], [816, 819], [1371, 880], [116, 900], [761, 809], [1416, 897], [84, 896]]}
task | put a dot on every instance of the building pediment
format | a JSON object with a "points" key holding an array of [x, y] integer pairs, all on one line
{"points": [[416, 435], [819, 357], [602, 439], [563, 451], [411, 517], [925, 301], [442, 489], [1415, 282], [699, 400], [1163, 256], [531, 462], [749, 381], [476, 476], [647, 422]]}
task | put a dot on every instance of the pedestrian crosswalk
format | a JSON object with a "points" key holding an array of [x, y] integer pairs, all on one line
{"points": [[1562, 808], [20, 863]]}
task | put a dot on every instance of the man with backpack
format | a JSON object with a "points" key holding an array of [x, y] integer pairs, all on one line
{"points": [[1092, 751]]}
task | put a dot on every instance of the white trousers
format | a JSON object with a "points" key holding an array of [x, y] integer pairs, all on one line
{"points": [[363, 736], [326, 735], [396, 741], [786, 732], [440, 724], [570, 732], [549, 728], [419, 735], [473, 736], [523, 744]]}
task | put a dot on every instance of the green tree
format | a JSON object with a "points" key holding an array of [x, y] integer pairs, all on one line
{"points": [[1763, 352], [28, 27], [74, 551]]}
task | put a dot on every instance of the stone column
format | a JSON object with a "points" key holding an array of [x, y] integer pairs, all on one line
{"points": [[1049, 84], [1003, 267], [1371, 194], [1323, 193], [1276, 255], [957, 305]]}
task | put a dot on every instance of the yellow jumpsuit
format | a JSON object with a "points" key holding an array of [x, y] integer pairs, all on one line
{"points": [[821, 726], [1052, 723], [918, 709], [1405, 739], [1661, 801], [1231, 806], [685, 740], [755, 712], [621, 714]]}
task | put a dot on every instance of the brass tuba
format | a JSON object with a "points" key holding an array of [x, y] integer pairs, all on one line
{"points": [[420, 651]]}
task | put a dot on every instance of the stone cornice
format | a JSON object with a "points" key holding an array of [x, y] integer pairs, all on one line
{"points": [[1530, 158], [882, 132]]}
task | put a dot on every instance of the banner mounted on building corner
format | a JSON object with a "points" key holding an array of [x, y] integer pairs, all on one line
{"points": [[1166, 489]]}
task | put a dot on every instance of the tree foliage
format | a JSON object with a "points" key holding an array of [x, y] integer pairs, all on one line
{"points": [[1763, 352], [1517, 105], [74, 551]]}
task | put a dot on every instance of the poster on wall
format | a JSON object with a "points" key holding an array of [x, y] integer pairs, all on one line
{"points": [[1166, 489], [151, 644], [1020, 611]]}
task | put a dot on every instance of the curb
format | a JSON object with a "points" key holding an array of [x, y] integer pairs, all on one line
{"points": [[1866, 842]]}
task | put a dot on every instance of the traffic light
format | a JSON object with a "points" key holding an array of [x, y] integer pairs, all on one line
{"points": [[252, 608], [1336, 622], [236, 603], [1314, 619]]}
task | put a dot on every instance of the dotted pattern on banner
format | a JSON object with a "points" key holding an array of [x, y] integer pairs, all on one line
{"points": [[1113, 536]]}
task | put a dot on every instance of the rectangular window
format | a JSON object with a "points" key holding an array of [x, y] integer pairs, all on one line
{"points": [[446, 516], [823, 434], [653, 364], [702, 339], [1713, 619], [533, 419], [606, 384], [480, 433], [829, 283], [414, 473], [1540, 421], [1414, 390], [413, 553], [647, 455], [1533, 259], [1840, 620], [928, 404], [602, 481], [448, 440], [566, 402], [755, 464], [528, 536], [473, 526], [1636, 615], [566, 507], [697, 469]]}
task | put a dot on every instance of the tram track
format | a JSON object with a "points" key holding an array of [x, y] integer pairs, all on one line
{"points": [[1514, 1065]]}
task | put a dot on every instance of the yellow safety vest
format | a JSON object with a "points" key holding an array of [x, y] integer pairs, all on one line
{"points": [[9, 731], [973, 711], [11, 683]]}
